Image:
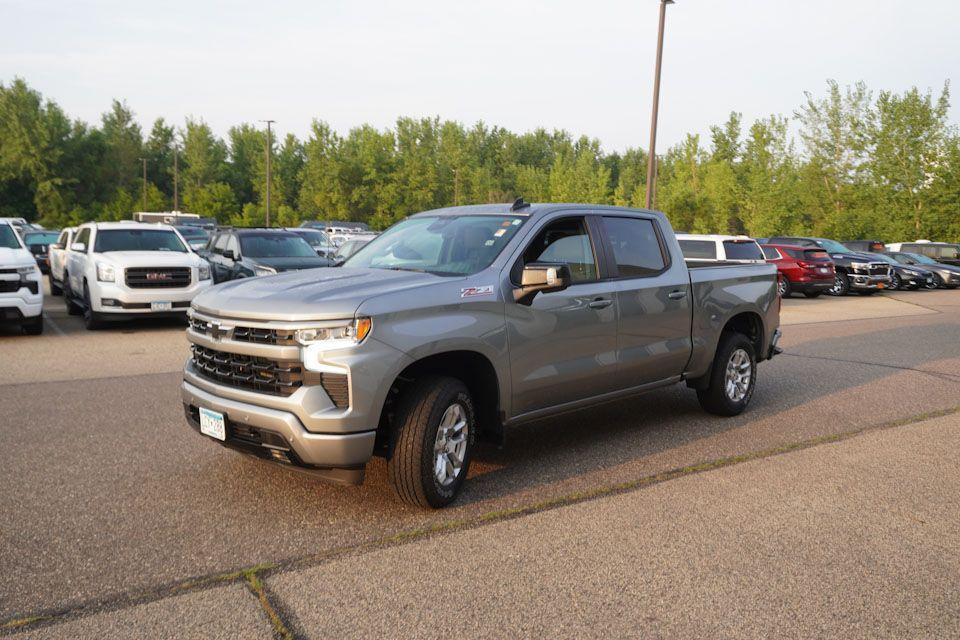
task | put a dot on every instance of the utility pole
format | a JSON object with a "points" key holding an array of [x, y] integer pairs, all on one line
{"points": [[269, 149], [144, 160], [651, 160], [176, 179]]}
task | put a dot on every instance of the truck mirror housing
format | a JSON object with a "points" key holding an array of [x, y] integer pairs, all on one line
{"points": [[229, 254], [541, 277], [78, 246]]}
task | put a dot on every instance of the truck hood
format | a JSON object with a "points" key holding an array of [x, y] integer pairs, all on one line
{"points": [[292, 264], [854, 256], [149, 258], [12, 258], [327, 293]]}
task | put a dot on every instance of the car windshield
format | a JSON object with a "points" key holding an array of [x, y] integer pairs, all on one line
{"points": [[138, 240], [41, 237], [832, 246], [275, 245], [193, 233], [315, 237], [8, 237], [922, 259], [442, 245]]}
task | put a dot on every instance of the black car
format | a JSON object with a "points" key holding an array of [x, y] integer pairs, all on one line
{"points": [[908, 276], [38, 242], [855, 271], [945, 275], [244, 253]]}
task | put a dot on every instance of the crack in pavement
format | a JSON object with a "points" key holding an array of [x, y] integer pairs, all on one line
{"points": [[282, 621], [949, 377]]}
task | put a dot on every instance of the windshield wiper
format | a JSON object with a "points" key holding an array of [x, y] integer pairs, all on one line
{"points": [[414, 269]]}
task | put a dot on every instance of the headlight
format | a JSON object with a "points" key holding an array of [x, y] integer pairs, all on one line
{"points": [[352, 332], [26, 272], [910, 272], [204, 271], [106, 272], [859, 265], [263, 271]]}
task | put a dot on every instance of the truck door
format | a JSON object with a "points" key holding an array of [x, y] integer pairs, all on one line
{"points": [[215, 259], [563, 345], [653, 295]]}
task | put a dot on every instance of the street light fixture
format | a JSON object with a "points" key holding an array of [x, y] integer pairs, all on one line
{"points": [[652, 159], [269, 149]]}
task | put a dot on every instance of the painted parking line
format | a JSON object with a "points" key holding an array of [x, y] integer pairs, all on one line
{"points": [[53, 325]]}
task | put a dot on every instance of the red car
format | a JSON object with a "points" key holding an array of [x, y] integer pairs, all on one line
{"points": [[805, 270]]}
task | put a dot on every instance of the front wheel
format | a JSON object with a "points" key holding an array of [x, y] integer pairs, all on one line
{"points": [[732, 377], [841, 285], [783, 287], [936, 283], [895, 282], [434, 438], [91, 319], [73, 309]]}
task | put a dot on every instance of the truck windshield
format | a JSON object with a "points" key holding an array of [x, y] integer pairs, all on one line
{"points": [[138, 240], [832, 246], [8, 237], [275, 245], [442, 245]]}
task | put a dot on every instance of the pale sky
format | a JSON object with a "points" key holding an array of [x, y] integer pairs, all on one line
{"points": [[584, 66]]}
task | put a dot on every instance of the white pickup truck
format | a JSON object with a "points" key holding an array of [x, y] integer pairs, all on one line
{"points": [[720, 248], [21, 286], [58, 259], [122, 270]]}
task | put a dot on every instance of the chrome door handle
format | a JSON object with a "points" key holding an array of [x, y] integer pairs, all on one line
{"points": [[677, 295], [600, 303]]}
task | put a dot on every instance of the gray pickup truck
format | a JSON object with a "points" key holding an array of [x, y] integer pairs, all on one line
{"points": [[457, 323]]}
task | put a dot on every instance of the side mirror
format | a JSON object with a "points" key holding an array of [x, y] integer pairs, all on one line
{"points": [[78, 246], [541, 277], [229, 254]]}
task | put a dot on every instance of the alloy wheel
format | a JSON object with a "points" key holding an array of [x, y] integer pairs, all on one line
{"points": [[781, 287], [738, 375], [837, 287], [450, 446]]}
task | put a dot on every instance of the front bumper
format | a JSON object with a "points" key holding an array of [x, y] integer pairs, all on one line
{"points": [[868, 283], [812, 286], [279, 436], [21, 305], [135, 302]]}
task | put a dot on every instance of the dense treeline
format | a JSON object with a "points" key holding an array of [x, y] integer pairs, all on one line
{"points": [[884, 166]]}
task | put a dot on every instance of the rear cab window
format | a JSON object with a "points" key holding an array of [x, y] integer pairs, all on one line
{"points": [[699, 249], [742, 250]]}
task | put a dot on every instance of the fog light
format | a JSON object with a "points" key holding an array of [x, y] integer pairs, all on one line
{"points": [[109, 302]]}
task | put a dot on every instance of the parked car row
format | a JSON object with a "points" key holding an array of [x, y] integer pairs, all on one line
{"points": [[813, 266]]}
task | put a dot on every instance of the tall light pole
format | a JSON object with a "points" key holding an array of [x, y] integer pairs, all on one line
{"points": [[269, 149], [144, 160], [176, 179], [651, 161]]}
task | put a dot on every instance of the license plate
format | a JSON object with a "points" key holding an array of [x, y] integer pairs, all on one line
{"points": [[161, 306], [880, 285], [824, 270], [213, 424]]}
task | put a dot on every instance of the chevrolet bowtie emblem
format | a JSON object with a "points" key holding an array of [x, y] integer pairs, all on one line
{"points": [[218, 331]]}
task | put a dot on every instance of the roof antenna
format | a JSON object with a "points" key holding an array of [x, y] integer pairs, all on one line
{"points": [[519, 204]]}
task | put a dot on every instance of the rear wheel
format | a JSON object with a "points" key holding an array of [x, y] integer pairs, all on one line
{"points": [[841, 285], [812, 294], [783, 287], [434, 436], [732, 377]]}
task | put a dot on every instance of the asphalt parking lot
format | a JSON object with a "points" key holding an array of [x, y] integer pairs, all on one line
{"points": [[112, 506]]}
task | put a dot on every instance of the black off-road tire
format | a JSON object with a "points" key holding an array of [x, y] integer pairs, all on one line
{"points": [[714, 398], [73, 309], [91, 319], [411, 467]]}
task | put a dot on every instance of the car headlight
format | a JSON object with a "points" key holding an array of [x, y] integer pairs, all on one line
{"points": [[204, 271], [346, 334], [26, 272], [859, 265], [910, 272], [263, 271], [106, 272]]}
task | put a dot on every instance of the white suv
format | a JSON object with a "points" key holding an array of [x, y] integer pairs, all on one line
{"points": [[21, 285], [120, 270], [720, 248]]}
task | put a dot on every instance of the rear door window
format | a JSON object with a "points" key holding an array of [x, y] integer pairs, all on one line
{"points": [[636, 247], [699, 249], [742, 250], [770, 253]]}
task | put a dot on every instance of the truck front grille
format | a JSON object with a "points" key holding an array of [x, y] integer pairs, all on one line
{"points": [[253, 373], [158, 277], [257, 335]]}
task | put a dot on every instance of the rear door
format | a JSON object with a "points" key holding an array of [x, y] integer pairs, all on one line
{"points": [[563, 345], [653, 296]]}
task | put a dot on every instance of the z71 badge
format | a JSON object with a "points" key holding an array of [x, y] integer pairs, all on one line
{"points": [[470, 292]]}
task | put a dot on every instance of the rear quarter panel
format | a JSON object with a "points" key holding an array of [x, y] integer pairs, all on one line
{"points": [[720, 293]]}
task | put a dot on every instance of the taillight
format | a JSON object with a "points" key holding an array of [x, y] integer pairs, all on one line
{"points": [[813, 265]]}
